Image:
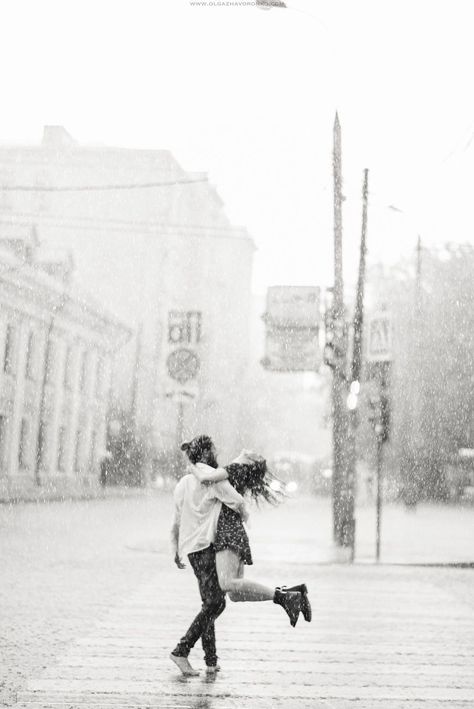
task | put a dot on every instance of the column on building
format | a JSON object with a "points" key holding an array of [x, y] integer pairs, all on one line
{"points": [[56, 348]]}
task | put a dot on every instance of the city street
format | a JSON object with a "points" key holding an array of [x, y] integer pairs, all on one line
{"points": [[229, 223], [91, 604]]}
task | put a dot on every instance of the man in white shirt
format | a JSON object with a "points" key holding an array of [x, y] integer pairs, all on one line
{"points": [[197, 509]]}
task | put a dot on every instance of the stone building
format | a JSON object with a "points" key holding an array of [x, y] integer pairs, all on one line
{"points": [[154, 244], [56, 350]]}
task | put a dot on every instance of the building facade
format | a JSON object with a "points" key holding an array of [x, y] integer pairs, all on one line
{"points": [[56, 352], [153, 243]]}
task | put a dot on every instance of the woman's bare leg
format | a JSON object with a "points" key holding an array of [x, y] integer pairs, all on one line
{"points": [[230, 574]]}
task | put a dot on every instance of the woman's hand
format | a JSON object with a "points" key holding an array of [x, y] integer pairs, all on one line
{"points": [[244, 513]]}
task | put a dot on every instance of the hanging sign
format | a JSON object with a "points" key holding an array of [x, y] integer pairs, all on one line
{"points": [[379, 337], [182, 361], [292, 321]]}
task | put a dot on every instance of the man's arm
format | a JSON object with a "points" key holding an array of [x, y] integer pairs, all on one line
{"points": [[223, 490], [175, 533], [178, 504]]}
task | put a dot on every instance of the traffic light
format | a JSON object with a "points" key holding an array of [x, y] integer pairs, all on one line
{"points": [[379, 415], [335, 340], [374, 403]]}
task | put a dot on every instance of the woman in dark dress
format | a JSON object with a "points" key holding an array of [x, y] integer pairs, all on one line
{"points": [[248, 474]]}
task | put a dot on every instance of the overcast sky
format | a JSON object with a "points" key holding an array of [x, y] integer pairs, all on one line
{"points": [[250, 95]]}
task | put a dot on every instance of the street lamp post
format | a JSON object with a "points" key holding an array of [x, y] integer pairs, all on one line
{"points": [[380, 418], [336, 351], [340, 422], [348, 537]]}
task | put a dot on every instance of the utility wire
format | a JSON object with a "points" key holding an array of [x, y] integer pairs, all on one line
{"points": [[110, 225], [97, 188]]}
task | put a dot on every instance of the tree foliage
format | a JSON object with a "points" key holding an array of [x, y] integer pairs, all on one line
{"points": [[432, 378], [128, 452]]}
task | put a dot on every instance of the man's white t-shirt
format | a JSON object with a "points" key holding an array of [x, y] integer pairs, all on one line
{"points": [[197, 510]]}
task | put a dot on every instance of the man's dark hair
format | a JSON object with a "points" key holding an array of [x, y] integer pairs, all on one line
{"points": [[199, 450]]}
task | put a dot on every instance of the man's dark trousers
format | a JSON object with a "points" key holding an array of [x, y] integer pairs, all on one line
{"points": [[213, 603]]}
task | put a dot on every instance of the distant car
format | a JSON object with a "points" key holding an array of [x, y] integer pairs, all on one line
{"points": [[293, 470], [459, 476], [289, 487]]}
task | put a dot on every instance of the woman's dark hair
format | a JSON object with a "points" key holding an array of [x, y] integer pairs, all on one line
{"points": [[254, 478], [198, 450]]}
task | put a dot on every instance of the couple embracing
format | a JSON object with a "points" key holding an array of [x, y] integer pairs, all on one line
{"points": [[208, 528]]}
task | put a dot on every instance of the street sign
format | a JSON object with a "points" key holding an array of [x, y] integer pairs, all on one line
{"points": [[292, 320], [183, 396], [183, 365], [181, 357], [293, 306], [379, 337], [292, 350], [184, 327]]}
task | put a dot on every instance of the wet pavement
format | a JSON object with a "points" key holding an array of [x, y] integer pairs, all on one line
{"points": [[91, 605]]}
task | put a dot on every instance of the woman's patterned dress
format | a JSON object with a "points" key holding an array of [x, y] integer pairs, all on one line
{"points": [[231, 534]]}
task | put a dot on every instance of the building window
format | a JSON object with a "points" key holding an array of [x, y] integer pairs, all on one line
{"points": [[62, 451], [93, 375], [93, 449], [50, 363], [43, 445], [31, 356], [84, 372], [3, 441], [24, 449], [99, 377], [9, 353], [68, 368], [78, 451]]}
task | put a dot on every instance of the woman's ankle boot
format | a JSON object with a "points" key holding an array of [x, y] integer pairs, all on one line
{"points": [[290, 601], [305, 604]]}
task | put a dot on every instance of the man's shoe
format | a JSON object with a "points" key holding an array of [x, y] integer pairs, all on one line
{"points": [[305, 604], [184, 665], [290, 601]]}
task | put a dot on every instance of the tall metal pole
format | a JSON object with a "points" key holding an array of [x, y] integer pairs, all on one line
{"points": [[415, 438], [356, 367], [337, 177], [338, 382], [359, 307], [382, 431], [379, 496]]}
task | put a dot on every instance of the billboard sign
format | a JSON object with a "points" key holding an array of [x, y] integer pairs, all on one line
{"points": [[292, 321], [292, 350], [296, 306], [184, 327]]}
